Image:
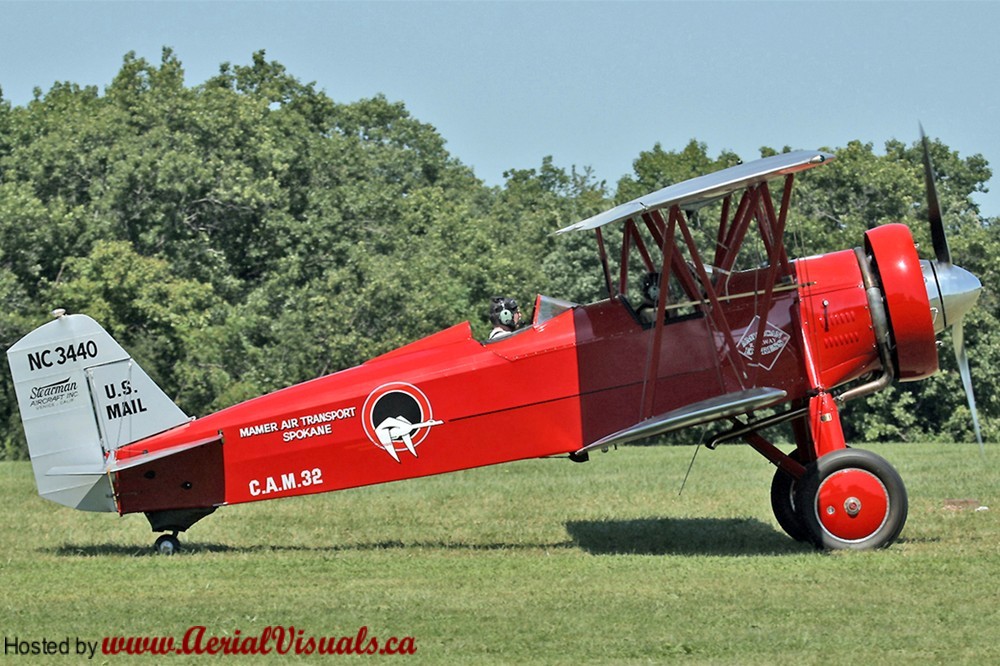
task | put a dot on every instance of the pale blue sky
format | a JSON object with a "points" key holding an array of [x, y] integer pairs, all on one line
{"points": [[591, 84]]}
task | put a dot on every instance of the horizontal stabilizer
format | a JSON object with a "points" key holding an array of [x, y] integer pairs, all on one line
{"points": [[119, 465], [76, 470], [134, 461], [723, 406]]}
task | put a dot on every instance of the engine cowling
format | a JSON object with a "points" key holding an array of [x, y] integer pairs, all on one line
{"points": [[901, 277]]}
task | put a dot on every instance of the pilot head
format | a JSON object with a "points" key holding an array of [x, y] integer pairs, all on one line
{"points": [[504, 312], [650, 286]]}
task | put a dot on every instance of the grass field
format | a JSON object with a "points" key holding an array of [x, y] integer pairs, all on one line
{"points": [[542, 561]]}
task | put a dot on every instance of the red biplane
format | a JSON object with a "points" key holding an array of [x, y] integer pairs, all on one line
{"points": [[750, 345]]}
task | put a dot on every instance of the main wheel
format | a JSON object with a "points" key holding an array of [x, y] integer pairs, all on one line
{"points": [[783, 487], [167, 544], [851, 499]]}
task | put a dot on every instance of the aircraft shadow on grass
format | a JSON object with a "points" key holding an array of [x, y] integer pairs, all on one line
{"points": [[641, 536], [682, 536], [120, 550]]}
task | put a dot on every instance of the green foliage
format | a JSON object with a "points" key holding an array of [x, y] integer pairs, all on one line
{"points": [[655, 169], [532, 205], [251, 232], [156, 315]]}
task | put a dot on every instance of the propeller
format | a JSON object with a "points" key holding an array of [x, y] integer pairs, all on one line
{"points": [[938, 237], [956, 288], [958, 339]]}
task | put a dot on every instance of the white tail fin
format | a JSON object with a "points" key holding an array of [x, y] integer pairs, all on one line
{"points": [[81, 397]]}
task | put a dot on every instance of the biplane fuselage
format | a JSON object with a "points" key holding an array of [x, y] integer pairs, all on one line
{"points": [[551, 388]]}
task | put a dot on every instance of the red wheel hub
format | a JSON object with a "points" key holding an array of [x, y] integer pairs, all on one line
{"points": [[852, 504]]}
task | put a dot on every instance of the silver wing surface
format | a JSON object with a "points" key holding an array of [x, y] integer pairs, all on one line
{"points": [[697, 192]]}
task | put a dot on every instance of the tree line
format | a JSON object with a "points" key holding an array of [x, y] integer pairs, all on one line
{"points": [[251, 232]]}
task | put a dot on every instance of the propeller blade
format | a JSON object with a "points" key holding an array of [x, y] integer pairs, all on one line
{"points": [[958, 339], [938, 237]]}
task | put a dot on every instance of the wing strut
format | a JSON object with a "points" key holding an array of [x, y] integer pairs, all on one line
{"points": [[653, 364], [717, 314], [604, 261]]}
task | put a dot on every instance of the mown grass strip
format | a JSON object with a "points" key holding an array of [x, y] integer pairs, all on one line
{"points": [[541, 561]]}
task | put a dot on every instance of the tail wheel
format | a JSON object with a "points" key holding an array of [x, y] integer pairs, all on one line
{"points": [[167, 544], [851, 499], [783, 488]]}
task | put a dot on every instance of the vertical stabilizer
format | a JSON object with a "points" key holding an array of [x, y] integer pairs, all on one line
{"points": [[81, 397]]}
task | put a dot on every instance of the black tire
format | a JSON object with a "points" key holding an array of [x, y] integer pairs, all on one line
{"points": [[852, 499], [166, 544], [783, 487]]}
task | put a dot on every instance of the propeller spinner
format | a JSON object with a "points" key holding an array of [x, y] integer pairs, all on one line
{"points": [[951, 290]]}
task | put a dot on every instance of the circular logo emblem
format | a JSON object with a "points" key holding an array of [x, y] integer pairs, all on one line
{"points": [[397, 417]]}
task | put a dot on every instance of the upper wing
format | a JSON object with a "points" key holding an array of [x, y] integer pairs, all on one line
{"points": [[705, 189]]}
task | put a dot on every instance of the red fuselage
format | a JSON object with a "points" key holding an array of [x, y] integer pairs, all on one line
{"points": [[551, 388]]}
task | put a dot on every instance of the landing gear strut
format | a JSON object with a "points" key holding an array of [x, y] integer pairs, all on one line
{"points": [[845, 498]]}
